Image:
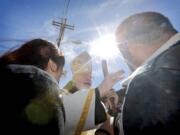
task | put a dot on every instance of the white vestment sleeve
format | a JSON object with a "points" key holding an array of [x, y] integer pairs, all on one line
{"points": [[74, 104]]}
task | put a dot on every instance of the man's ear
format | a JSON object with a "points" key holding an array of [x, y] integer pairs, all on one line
{"points": [[52, 66]]}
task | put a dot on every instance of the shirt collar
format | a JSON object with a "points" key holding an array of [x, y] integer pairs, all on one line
{"points": [[173, 40]]}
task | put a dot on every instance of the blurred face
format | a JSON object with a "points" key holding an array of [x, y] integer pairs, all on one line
{"points": [[129, 59], [58, 73], [54, 70], [134, 53], [82, 80]]}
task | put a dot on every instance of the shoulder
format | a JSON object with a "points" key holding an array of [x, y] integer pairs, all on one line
{"points": [[153, 95], [34, 75], [165, 64], [169, 58]]}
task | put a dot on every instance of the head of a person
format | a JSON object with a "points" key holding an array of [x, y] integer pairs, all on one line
{"points": [[39, 53], [81, 67], [140, 35]]}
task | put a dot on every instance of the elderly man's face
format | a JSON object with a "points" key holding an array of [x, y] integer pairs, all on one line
{"points": [[82, 80]]}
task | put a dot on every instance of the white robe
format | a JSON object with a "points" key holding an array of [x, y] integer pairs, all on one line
{"points": [[73, 104]]}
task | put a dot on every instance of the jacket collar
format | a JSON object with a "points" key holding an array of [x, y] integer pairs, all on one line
{"points": [[172, 41]]}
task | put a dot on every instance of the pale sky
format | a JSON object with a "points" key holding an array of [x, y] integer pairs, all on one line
{"points": [[22, 20]]}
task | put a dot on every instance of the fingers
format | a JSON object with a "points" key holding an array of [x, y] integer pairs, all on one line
{"points": [[117, 76], [109, 104], [116, 100], [112, 100], [109, 82]]}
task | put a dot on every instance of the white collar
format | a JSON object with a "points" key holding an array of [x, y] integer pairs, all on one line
{"points": [[173, 40]]}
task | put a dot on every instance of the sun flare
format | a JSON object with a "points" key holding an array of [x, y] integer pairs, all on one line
{"points": [[104, 47]]}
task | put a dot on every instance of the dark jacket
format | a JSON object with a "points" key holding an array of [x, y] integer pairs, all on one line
{"points": [[152, 105], [30, 104]]}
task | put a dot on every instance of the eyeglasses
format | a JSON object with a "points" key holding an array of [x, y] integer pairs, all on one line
{"points": [[123, 45]]}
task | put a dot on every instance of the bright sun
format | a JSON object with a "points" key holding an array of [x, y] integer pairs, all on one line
{"points": [[104, 47]]}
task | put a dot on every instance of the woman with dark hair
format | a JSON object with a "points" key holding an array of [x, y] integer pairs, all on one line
{"points": [[37, 52], [32, 105]]}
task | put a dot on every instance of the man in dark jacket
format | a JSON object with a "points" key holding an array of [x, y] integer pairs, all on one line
{"points": [[150, 46]]}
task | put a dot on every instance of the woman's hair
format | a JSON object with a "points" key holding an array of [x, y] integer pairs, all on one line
{"points": [[36, 52]]}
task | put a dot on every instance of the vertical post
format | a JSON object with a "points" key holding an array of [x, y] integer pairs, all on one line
{"points": [[105, 68], [62, 26]]}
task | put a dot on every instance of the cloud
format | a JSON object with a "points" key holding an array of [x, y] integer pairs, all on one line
{"points": [[102, 17], [131, 1], [90, 29], [49, 29], [69, 52], [111, 8]]}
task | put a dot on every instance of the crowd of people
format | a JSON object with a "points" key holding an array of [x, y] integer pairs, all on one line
{"points": [[149, 102]]}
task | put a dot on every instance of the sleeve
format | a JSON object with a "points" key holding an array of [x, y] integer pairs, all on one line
{"points": [[152, 101], [70, 87], [100, 114]]}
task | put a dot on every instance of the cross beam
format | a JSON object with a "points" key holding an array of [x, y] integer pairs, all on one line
{"points": [[62, 25]]}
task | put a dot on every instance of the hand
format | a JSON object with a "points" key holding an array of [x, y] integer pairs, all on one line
{"points": [[111, 102], [106, 128], [109, 82]]}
